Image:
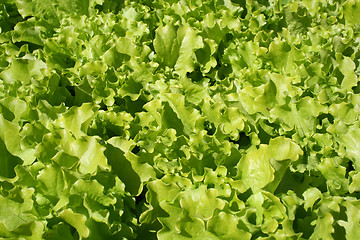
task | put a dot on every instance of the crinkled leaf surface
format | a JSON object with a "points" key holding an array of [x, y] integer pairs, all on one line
{"points": [[181, 119]]}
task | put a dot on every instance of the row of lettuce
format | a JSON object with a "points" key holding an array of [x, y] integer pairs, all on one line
{"points": [[179, 119]]}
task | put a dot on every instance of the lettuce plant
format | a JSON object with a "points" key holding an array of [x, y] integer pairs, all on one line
{"points": [[179, 119]]}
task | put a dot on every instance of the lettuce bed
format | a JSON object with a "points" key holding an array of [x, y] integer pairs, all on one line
{"points": [[187, 119]]}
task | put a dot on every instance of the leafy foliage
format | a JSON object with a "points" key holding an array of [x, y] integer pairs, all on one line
{"points": [[181, 119]]}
